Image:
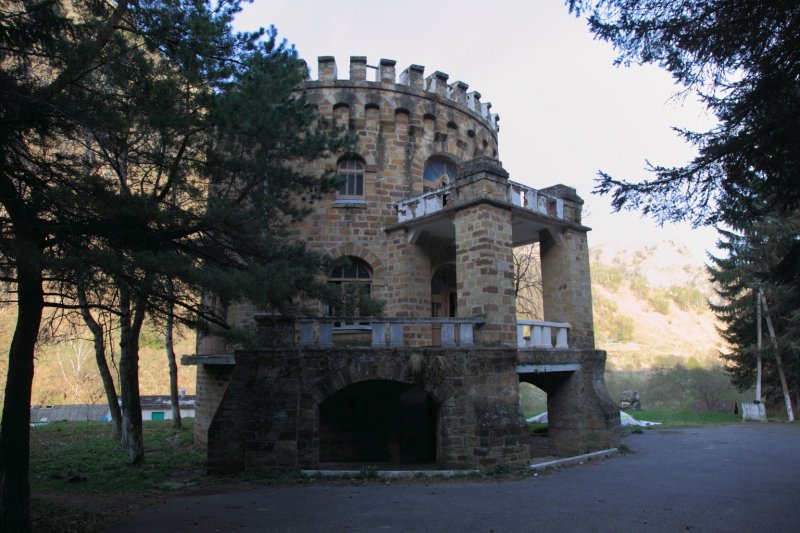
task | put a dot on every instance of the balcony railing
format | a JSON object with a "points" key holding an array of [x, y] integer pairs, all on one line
{"points": [[387, 332], [538, 334], [518, 194], [381, 332]]}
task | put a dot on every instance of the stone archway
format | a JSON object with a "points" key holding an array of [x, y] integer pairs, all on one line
{"points": [[378, 422]]}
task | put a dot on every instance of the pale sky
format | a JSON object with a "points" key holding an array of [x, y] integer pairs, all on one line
{"points": [[565, 110]]}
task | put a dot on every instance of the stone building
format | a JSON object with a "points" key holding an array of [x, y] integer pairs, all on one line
{"points": [[428, 218]]}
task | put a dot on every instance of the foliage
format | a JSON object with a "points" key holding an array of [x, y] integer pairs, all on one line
{"points": [[753, 255], [675, 387], [658, 300], [144, 146], [742, 58], [532, 400], [528, 282], [609, 323], [608, 276]]}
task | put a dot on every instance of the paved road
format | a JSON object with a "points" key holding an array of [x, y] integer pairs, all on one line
{"points": [[730, 478]]}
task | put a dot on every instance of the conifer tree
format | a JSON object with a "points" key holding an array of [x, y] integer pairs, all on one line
{"points": [[146, 145], [746, 271]]}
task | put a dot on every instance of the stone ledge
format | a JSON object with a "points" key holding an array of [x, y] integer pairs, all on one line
{"points": [[189, 360], [576, 459], [389, 474]]}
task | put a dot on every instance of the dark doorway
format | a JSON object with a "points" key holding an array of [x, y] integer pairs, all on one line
{"points": [[378, 421], [444, 299]]}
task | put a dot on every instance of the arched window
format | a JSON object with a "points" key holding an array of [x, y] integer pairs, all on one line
{"points": [[353, 285], [351, 172], [439, 171]]}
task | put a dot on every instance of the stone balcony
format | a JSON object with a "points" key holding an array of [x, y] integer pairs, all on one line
{"points": [[381, 332], [518, 195]]}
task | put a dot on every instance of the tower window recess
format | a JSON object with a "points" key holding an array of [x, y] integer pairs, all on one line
{"points": [[438, 172]]}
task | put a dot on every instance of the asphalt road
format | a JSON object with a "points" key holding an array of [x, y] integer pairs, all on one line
{"points": [[729, 478]]}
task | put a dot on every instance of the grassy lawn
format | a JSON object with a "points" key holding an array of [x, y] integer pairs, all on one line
{"points": [[80, 479], [83, 457]]}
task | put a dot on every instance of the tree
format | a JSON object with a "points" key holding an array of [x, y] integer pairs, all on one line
{"points": [[743, 59], [528, 282], [109, 109], [743, 275]]}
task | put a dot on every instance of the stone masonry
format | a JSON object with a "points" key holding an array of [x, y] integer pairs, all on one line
{"points": [[435, 380]]}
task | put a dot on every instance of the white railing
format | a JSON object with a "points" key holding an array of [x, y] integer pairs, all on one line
{"points": [[538, 334], [425, 204], [518, 195], [387, 332], [529, 198]]}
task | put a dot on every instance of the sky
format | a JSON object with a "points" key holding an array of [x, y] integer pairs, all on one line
{"points": [[566, 112]]}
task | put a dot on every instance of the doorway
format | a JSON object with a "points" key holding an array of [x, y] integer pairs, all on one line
{"points": [[378, 422], [444, 299]]}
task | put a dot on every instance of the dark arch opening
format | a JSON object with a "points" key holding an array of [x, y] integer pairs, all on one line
{"points": [[544, 387], [378, 421]]}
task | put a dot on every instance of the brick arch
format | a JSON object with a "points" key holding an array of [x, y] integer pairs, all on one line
{"points": [[378, 270], [356, 373], [367, 157]]}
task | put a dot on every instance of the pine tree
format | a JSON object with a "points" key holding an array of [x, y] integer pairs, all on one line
{"points": [[742, 57], [746, 271], [118, 120]]}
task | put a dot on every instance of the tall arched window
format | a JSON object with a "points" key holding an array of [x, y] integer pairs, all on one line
{"points": [[439, 171], [353, 285], [351, 172]]}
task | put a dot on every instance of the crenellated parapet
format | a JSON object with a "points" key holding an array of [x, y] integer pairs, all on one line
{"points": [[377, 95]]}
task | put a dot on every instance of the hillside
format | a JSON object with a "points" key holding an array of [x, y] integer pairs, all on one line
{"points": [[66, 372], [650, 308]]}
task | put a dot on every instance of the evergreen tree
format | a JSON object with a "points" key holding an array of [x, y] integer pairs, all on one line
{"points": [[743, 59], [746, 271], [145, 146]]}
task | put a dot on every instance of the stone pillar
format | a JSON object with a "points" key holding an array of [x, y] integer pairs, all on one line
{"points": [[408, 295], [566, 284], [484, 260]]}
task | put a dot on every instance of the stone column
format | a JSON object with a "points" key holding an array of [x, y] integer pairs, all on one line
{"points": [[484, 260], [408, 278], [566, 284]]}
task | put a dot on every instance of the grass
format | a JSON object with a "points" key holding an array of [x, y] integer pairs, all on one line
{"points": [[82, 457], [81, 480]]}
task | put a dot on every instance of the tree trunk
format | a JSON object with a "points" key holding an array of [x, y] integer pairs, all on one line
{"points": [[758, 352], [787, 400], [132, 437], [15, 430], [173, 370], [102, 363]]}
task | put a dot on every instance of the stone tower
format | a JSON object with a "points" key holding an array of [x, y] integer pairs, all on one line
{"points": [[427, 218]]}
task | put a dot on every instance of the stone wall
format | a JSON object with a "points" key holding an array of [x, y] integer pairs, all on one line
{"points": [[582, 417], [399, 124], [269, 417]]}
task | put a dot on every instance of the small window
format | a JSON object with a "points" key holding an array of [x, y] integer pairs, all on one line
{"points": [[351, 172], [439, 172], [353, 285]]}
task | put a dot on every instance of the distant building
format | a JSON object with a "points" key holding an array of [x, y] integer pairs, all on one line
{"points": [[153, 408]]}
